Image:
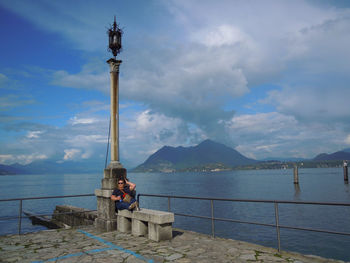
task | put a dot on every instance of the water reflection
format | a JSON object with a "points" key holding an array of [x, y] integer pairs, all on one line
{"points": [[296, 192]]}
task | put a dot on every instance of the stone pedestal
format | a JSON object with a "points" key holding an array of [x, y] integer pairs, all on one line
{"points": [[157, 232], [106, 218], [124, 221], [139, 228]]}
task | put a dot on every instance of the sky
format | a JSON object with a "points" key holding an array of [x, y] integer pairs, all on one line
{"points": [[268, 78]]}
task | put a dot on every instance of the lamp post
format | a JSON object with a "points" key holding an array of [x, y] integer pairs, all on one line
{"points": [[115, 46], [106, 217]]}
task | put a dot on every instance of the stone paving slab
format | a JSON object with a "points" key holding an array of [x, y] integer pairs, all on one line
{"points": [[89, 245]]}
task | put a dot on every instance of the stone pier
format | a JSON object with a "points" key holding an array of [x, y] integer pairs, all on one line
{"points": [[89, 245]]}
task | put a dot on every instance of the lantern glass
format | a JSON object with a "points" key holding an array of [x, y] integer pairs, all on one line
{"points": [[110, 39], [115, 39], [120, 38]]}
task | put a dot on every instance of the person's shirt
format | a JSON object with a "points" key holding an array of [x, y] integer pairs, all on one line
{"points": [[120, 193]]}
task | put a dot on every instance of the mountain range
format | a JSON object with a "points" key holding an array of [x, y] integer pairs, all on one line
{"points": [[213, 156], [341, 155], [208, 155], [51, 167]]}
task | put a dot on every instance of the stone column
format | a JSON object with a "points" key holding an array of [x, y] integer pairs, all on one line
{"points": [[106, 217], [114, 73]]}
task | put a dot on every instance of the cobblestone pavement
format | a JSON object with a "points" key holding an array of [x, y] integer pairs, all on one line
{"points": [[88, 245]]}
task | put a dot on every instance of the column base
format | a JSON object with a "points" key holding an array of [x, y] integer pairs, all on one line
{"points": [[106, 216], [115, 164], [105, 225]]}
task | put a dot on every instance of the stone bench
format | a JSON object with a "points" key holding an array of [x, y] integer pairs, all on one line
{"points": [[157, 225]]}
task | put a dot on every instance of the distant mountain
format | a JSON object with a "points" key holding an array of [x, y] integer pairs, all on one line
{"points": [[207, 153], [11, 169], [341, 155], [346, 150], [53, 167]]}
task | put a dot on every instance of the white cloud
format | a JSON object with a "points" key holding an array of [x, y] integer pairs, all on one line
{"points": [[220, 36], [3, 80], [86, 79], [6, 158], [34, 134], [186, 85], [277, 135], [347, 140], [80, 140], [21, 158], [10, 101], [71, 154], [145, 132], [315, 104], [31, 157], [76, 120], [142, 132]]}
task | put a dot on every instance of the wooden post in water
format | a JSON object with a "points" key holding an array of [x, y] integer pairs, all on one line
{"points": [[296, 175], [345, 168]]}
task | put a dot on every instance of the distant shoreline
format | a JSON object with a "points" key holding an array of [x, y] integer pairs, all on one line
{"points": [[267, 165]]}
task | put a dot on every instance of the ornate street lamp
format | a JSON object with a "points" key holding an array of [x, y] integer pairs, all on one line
{"points": [[115, 39], [115, 46], [106, 219]]}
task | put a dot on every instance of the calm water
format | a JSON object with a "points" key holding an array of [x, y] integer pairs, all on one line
{"points": [[324, 185]]}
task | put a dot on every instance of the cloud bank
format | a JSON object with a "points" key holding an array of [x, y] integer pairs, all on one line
{"points": [[188, 78]]}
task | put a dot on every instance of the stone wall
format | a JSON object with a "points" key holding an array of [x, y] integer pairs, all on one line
{"points": [[78, 216]]}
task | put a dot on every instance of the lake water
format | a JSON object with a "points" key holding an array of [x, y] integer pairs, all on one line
{"points": [[321, 185]]}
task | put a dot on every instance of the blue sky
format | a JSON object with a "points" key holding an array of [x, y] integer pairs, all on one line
{"points": [[269, 78]]}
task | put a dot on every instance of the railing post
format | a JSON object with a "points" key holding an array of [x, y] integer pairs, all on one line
{"points": [[345, 169], [168, 203], [20, 217], [212, 218], [296, 174], [277, 227]]}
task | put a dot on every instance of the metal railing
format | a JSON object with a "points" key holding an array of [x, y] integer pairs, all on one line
{"points": [[277, 225], [20, 209]]}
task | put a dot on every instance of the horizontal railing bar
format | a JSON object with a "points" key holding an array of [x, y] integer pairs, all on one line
{"points": [[263, 224], [316, 230], [245, 222], [63, 213], [45, 197], [248, 200], [225, 219]]}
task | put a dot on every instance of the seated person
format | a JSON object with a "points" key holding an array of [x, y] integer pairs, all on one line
{"points": [[123, 195]]}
